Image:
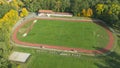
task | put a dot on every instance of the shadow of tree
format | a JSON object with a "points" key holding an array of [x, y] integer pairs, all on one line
{"points": [[1, 52], [110, 61], [103, 24], [1, 35]]}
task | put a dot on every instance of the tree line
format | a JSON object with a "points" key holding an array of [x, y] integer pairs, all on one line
{"points": [[9, 15]]}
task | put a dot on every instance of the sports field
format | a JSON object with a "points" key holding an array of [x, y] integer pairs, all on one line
{"points": [[66, 33], [86, 35]]}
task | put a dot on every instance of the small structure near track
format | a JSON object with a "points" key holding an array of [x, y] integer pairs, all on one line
{"points": [[49, 13], [19, 57]]}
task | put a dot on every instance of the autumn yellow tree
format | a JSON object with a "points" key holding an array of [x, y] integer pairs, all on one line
{"points": [[78, 14], [100, 8], [17, 4], [24, 12], [11, 17], [84, 12], [8, 20], [3, 1], [89, 12], [14, 3], [0, 23], [114, 9]]}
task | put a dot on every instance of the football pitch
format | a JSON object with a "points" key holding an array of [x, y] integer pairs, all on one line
{"points": [[86, 35]]}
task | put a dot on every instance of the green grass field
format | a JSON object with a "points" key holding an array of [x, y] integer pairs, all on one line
{"points": [[48, 60], [85, 35]]}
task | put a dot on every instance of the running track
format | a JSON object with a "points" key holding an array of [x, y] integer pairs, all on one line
{"points": [[99, 51]]}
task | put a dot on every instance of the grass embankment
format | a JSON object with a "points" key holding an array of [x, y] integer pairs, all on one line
{"points": [[47, 60]]}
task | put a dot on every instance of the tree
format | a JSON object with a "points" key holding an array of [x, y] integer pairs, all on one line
{"points": [[92, 3], [6, 7], [17, 4], [1, 31], [33, 5], [99, 8], [58, 5], [117, 26], [65, 5], [114, 9], [84, 4], [89, 12], [24, 12], [75, 6], [2, 2], [109, 61], [84, 12], [9, 19], [4, 63]]}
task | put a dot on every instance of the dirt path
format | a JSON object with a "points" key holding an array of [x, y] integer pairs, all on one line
{"points": [[99, 51]]}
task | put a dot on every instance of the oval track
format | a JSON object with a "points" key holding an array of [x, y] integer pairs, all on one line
{"points": [[100, 51]]}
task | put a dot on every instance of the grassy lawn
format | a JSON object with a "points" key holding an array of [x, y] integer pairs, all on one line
{"points": [[47, 60], [85, 35]]}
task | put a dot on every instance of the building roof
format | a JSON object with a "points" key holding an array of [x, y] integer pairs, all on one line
{"points": [[45, 11], [19, 56]]}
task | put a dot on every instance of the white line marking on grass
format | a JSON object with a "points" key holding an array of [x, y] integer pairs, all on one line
{"points": [[24, 35], [34, 21]]}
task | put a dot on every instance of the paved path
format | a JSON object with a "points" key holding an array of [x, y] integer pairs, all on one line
{"points": [[100, 51]]}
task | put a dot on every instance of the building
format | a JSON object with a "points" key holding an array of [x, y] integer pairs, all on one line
{"points": [[49, 13], [45, 12]]}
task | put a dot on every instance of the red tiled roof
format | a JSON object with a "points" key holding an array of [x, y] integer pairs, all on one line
{"points": [[45, 11]]}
